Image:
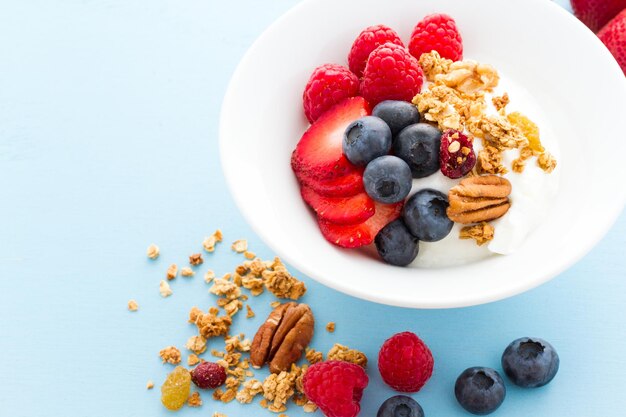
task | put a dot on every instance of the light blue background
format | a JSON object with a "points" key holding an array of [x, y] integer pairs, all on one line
{"points": [[108, 142]]}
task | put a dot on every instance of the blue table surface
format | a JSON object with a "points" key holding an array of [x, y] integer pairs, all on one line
{"points": [[108, 142]]}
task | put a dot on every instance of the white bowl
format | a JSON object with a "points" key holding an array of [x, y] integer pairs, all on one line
{"points": [[538, 46]]}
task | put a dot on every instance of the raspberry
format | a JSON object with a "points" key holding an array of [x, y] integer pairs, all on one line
{"points": [[335, 387], [405, 362], [368, 40], [457, 156], [391, 73], [328, 85], [437, 32], [208, 375]]}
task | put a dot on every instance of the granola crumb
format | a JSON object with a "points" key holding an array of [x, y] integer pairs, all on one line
{"points": [[216, 414], [194, 400], [481, 233], [249, 313], [518, 165], [240, 245], [196, 344], [283, 415], [489, 161], [196, 259], [193, 359], [343, 353], [251, 388], [209, 276], [279, 388], [186, 272], [132, 305], [330, 327], [275, 304], [547, 162], [249, 255], [164, 289], [172, 271], [149, 384], [281, 283], [210, 324], [433, 64], [309, 407], [500, 102], [153, 251], [170, 354], [209, 242], [314, 356]]}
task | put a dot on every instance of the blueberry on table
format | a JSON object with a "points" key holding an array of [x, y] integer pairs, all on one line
{"points": [[480, 390], [387, 179], [400, 406], [530, 362], [418, 145], [396, 245], [425, 215], [397, 114], [366, 139]]}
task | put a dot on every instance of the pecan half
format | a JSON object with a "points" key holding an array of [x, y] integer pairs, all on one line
{"points": [[479, 199], [282, 338]]}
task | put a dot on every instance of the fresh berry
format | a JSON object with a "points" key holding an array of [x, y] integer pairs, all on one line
{"points": [[596, 13], [347, 185], [329, 84], [208, 375], [480, 390], [368, 40], [336, 387], [405, 362], [397, 114], [176, 388], [366, 139], [400, 406], [391, 73], [418, 145], [354, 236], [530, 362], [437, 32], [613, 35], [319, 154], [396, 245], [348, 210], [425, 215], [457, 157], [387, 179]]}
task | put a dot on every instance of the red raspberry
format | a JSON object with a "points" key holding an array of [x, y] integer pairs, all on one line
{"points": [[208, 375], [614, 37], [456, 156], [368, 40], [329, 84], [335, 387], [405, 362], [438, 32], [391, 73]]}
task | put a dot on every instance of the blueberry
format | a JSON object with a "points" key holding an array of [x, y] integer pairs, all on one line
{"points": [[425, 215], [366, 139], [418, 145], [397, 114], [400, 406], [387, 179], [396, 245], [480, 390], [530, 362]]}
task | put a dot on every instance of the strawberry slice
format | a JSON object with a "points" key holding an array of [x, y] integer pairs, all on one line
{"points": [[350, 210], [354, 236], [319, 153], [345, 186]]}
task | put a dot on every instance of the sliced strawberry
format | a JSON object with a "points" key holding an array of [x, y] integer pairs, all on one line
{"points": [[345, 186], [319, 153], [354, 236], [350, 210]]}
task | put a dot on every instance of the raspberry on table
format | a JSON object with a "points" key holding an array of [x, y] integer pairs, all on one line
{"points": [[328, 85], [391, 73], [208, 375], [437, 32], [368, 40], [336, 387], [405, 362]]}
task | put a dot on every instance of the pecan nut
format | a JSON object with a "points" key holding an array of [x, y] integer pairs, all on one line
{"points": [[479, 199], [282, 338]]}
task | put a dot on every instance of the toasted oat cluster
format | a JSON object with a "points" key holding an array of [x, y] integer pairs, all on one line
{"points": [[343, 353], [481, 233], [170, 354]]}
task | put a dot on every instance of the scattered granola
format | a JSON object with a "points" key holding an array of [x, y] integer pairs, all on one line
{"points": [[193, 359], [275, 304], [343, 353], [249, 313], [210, 324], [170, 354], [196, 259], [481, 233], [186, 272], [209, 276], [164, 289], [314, 356], [132, 305], [240, 245], [172, 271], [279, 388], [251, 388], [153, 251], [330, 327], [149, 384], [196, 344], [194, 400], [489, 161], [210, 242], [500, 102], [547, 162], [216, 414]]}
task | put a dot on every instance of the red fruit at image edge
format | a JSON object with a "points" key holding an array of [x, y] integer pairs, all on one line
{"points": [[336, 387], [437, 32], [613, 35], [596, 13], [368, 40], [405, 362], [208, 375], [391, 73], [328, 85]]}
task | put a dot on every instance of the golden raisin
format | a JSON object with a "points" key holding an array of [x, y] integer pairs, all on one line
{"points": [[176, 388], [528, 128]]}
